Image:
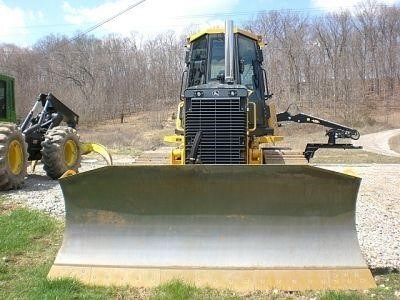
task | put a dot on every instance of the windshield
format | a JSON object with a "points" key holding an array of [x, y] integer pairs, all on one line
{"points": [[217, 57], [207, 60]]}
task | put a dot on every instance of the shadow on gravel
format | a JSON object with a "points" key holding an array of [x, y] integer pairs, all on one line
{"points": [[384, 271], [36, 182], [40, 177]]}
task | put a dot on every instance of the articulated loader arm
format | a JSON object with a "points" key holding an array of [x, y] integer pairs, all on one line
{"points": [[335, 131]]}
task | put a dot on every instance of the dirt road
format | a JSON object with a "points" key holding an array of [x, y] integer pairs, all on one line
{"points": [[379, 142]]}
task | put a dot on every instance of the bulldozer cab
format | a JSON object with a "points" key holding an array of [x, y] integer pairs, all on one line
{"points": [[206, 63], [206, 59], [224, 77], [7, 100]]}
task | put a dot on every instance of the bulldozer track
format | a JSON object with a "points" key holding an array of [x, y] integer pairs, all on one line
{"points": [[284, 157], [159, 156]]}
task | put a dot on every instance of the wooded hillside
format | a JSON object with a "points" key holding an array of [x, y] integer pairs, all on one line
{"points": [[343, 65]]}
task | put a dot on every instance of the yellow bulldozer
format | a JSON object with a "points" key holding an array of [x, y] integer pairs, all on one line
{"points": [[232, 210]]}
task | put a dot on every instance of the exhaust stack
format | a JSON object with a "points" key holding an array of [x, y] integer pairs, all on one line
{"points": [[229, 78]]}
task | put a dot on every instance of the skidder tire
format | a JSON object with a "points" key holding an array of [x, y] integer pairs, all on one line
{"points": [[61, 151], [13, 157]]}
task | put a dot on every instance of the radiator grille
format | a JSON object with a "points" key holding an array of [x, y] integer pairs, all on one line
{"points": [[222, 123]]}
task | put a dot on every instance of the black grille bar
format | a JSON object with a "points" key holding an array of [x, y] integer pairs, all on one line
{"points": [[222, 122]]}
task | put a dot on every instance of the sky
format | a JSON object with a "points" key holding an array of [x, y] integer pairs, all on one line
{"points": [[25, 22]]}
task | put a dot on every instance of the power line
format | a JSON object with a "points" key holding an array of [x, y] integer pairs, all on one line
{"points": [[78, 36], [106, 21]]}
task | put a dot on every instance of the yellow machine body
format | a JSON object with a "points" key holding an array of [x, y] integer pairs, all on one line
{"points": [[232, 210]]}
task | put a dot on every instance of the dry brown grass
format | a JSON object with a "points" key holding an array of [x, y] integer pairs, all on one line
{"points": [[138, 132], [389, 117], [394, 143], [146, 130], [7, 206]]}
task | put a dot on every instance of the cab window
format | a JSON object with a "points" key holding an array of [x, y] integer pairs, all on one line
{"points": [[217, 57], [198, 61], [247, 54]]}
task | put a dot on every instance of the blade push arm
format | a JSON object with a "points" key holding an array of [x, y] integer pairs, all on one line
{"points": [[335, 131]]}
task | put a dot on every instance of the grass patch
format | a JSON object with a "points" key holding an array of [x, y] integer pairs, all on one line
{"points": [[28, 243], [175, 290], [333, 295], [178, 290], [20, 228]]}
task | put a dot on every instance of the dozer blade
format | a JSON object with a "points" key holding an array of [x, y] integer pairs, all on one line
{"points": [[239, 227]]}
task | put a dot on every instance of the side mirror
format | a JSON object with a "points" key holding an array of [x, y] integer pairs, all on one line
{"points": [[259, 54], [187, 56]]}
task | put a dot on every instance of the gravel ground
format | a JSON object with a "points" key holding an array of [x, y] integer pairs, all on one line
{"points": [[377, 214], [41, 193]]}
